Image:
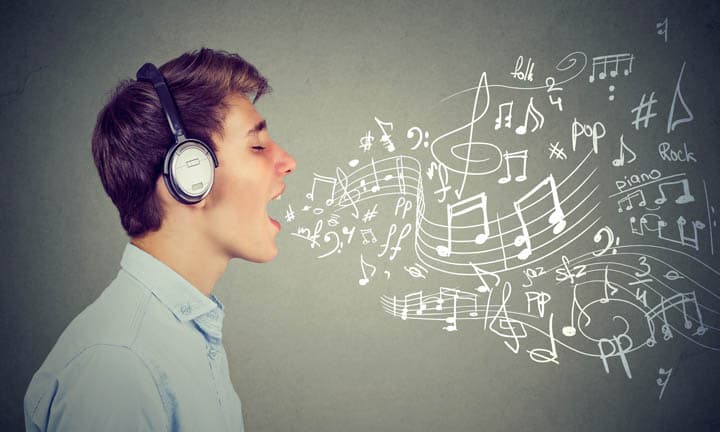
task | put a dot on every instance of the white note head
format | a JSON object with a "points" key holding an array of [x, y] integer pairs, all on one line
{"points": [[568, 331], [524, 254], [443, 251], [481, 238], [559, 227]]}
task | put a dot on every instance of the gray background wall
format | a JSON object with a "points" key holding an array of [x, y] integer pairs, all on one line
{"points": [[310, 348]]}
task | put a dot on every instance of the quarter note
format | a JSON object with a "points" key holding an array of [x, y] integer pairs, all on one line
{"points": [[543, 355]]}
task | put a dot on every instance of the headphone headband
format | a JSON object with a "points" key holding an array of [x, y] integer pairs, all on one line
{"points": [[149, 73]]}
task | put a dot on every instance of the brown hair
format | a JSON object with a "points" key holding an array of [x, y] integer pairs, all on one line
{"points": [[131, 135]]}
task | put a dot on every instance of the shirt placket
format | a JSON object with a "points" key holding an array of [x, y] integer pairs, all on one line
{"points": [[214, 351]]}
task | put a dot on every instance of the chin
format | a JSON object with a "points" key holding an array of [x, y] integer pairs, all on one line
{"points": [[262, 257], [265, 259]]}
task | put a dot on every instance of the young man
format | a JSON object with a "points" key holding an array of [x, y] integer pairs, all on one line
{"points": [[191, 178]]}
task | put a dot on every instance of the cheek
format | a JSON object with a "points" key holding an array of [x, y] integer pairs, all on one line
{"points": [[238, 194]]}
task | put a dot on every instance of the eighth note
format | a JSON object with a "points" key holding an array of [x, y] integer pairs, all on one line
{"points": [[365, 279], [615, 60], [508, 116], [522, 155], [538, 118], [460, 208], [556, 219], [621, 160], [322, 179], [685, 198]]}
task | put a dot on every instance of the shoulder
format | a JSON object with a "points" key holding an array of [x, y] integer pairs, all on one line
{"points": [[97, 359], [105, 387], [124, 311], [107, 373]]}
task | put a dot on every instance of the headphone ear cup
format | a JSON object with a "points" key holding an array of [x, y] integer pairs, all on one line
{"points": [[189, 171]]}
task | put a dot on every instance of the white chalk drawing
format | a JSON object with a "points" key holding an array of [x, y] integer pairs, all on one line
{"points": [[614, 61], [662, 30], [635, 276]]}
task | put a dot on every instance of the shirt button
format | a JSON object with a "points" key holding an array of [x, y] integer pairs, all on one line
{"points": [[212, 353], [186, 309]]}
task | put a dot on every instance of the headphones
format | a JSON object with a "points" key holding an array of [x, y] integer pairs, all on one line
{"points": [[189, 167]]}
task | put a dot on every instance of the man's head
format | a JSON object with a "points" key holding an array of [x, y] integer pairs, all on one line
{"points": [[213, 92]]}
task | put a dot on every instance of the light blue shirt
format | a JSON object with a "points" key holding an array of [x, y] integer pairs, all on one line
{"points": [[146, 355]]}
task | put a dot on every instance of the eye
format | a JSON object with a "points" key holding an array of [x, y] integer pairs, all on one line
{"points": [[258, 148]]}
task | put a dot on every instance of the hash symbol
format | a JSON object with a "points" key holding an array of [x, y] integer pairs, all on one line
{"points": [[366, 142], [644, 106], [370, 214], [290, 214], [556, 152]]}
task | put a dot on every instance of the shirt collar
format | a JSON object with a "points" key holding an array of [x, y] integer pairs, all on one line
{"points": [[184, 300]]}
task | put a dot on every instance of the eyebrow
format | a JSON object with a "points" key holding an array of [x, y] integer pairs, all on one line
{"points": [[261, 125]]}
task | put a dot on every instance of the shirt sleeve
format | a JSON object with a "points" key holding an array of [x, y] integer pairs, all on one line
{"points": [[107, 388]]}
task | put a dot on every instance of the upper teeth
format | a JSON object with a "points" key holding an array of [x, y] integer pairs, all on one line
{"points": [[278, 197]]}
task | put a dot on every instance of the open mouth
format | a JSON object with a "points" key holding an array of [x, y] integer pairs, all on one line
{"points": [[275, 199]]}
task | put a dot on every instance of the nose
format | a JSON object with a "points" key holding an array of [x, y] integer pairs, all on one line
{"points": [[286, 163]]}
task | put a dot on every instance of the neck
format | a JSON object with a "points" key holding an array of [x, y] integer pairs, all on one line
{"points": [[188, 256]]}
